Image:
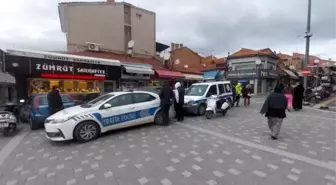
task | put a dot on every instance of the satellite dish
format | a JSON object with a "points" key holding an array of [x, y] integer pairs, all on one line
{"points": [[185, 66], [166, 56], [131, 44], [258, 61], [162, 54], [177, 61]]}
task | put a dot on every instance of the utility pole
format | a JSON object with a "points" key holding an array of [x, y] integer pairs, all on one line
{"points": [[308, 35]]}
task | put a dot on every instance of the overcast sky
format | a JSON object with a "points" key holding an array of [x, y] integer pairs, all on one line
{"points": [[222, 25]]}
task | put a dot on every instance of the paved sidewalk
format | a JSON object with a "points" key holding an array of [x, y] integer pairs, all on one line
{"points": [[234, 149]]}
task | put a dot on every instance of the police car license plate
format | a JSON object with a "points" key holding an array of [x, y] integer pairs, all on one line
{"points": [[3, 124]]}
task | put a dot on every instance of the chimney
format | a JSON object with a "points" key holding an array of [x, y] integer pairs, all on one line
{"points": [[110, 1], [181, 45], [228, 53]]}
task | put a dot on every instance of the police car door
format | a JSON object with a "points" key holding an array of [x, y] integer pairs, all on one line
{"points": [[145, 106], [121, 114]]}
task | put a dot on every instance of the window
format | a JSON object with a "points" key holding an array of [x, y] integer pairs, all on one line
{"points": [[221, 88], [121, 100], [65, 99], [142, 97], [228, 88], [138, 16], [99, 100], [213, 90], [196, 90]]}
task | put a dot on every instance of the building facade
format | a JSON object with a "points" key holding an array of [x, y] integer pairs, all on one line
{"points": [[108, 26], [254, 67]]}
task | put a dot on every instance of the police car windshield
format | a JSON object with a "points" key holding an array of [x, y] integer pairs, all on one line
{"points": [[196, 90], [98, 100]]}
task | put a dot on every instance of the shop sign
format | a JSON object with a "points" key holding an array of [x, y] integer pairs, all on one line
{"points": [[41, 66], [241, 74], [268, 74]]}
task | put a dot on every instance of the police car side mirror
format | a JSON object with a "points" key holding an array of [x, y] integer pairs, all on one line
{"points": [[107, 106]]}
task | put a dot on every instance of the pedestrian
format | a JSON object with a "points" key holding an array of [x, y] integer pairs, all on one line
{"points": [[274, 109], [179, 101], [289, 96], [234, 95], [246, 92], [55, 102], [298, 96], [166, 95], [238, 88]]}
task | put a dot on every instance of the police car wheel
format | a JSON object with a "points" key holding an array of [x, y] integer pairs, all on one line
{"points": [[86, 131], [201, 110], [158, 120]]}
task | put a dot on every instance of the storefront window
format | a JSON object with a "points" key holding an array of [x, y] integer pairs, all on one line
{"points": [[42, 86]]}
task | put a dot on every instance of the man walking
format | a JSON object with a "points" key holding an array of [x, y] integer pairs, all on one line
{"points": [[179, 101], [238, 93], [166, 95], [54, 100]]}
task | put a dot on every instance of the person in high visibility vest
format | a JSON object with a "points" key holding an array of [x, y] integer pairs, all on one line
{"points": [[238, 88]]}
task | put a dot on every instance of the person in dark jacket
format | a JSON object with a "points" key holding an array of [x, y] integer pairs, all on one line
{"points": [[274, 109], [166, 95], [234, 95], [298, 96], [54, 100], [179, 101]]}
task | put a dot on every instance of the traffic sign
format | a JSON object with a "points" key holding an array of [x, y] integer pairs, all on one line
{"points": [[306, 72]]}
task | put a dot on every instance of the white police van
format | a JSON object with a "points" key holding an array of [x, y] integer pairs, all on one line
{"points": [[196, 96], [107, 112]]}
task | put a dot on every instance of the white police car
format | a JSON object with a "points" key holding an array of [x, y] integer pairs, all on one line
{"points": [[107, 112]]}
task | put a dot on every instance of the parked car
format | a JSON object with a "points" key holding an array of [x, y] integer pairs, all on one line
{"points": [[36, 109], [107, 112], [195, 99]]}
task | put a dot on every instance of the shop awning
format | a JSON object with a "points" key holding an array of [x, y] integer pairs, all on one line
{"points": [[193, 77], [63, 57], [290, 73], [210, 75], [169, 74], [6, 78], [139, 70]]}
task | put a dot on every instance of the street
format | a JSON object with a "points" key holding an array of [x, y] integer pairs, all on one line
{"points": [[229, 150]]}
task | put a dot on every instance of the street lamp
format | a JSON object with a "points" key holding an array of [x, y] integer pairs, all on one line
{"points": [[307, 36]]}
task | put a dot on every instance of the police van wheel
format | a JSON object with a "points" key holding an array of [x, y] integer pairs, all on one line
{"points": [[158, 120], [86, 131], [201, 110]]}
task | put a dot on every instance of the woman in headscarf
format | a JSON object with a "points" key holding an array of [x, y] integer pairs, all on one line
{"points": [[298, 96], [247, 90], [179, 101], [274, 109]]}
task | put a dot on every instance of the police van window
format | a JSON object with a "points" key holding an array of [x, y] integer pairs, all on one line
{"points": [[228, 88], [142, 97], [221, 88], [121, 100], [213, 90]]}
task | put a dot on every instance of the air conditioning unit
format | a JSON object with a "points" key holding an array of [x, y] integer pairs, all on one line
{"points": [[93, 46]]}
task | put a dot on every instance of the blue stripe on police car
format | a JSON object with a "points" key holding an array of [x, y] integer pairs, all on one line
{"points": [[121, 118]]}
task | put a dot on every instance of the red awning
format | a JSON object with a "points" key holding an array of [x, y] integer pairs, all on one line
{"points": [[168, 74]]}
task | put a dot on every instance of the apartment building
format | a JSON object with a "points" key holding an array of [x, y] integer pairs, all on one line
{"points": [[108, 26]]}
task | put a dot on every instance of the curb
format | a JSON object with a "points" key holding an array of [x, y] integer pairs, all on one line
{"points": [[324, 105]]}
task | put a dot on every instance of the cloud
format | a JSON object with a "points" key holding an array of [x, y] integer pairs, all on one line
{"points": [[223, 25]]}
